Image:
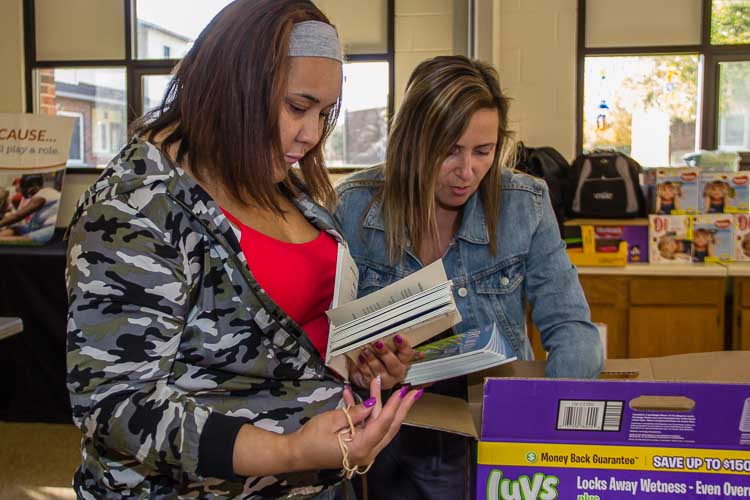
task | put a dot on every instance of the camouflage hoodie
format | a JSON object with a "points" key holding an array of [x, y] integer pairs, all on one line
{"points": [[173, 346]]}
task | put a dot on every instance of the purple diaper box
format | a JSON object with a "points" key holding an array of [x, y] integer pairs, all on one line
{"points": [[614, 439]]}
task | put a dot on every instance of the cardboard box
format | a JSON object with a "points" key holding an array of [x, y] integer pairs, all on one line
{"points": [[670, 239], [608, 233], [713, 239], [742, 237], [739, 193], [678, 191], [612, 253], [672, 427]]}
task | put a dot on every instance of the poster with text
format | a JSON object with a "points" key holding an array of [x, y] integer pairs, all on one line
{"points": [[33, 154]]}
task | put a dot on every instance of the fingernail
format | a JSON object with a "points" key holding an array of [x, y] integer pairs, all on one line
{"points": [[379, 345], [366, 353], [398, 339], [418, 394], [369, 403], [403, 391], [361, 359], [378, 380], [347, 386]]}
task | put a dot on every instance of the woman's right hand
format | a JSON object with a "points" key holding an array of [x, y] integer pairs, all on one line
{"points": [[315, 445]]}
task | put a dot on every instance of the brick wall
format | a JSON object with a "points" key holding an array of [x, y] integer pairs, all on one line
{"points": [[47, 92]]}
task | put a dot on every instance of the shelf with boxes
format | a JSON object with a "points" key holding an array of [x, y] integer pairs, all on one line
{"points": [[699, 217]]}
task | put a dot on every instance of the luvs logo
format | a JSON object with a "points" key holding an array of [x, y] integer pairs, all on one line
{"points": [[538, 487]]}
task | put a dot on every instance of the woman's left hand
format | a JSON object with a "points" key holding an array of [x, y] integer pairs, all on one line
{"points": [[378, 359]]}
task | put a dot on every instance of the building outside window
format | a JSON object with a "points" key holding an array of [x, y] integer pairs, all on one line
{"points": [[659, 103]]}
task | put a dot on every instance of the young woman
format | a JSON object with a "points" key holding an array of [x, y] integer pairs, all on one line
{"points": [[200, 267], [444, 194]]}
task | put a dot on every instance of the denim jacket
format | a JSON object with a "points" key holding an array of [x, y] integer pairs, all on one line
{"points": [[530, 263]]}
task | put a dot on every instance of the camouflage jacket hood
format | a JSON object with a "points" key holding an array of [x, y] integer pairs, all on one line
{"points": [[171, 340]]}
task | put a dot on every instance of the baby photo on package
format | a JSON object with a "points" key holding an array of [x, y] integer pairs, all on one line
{"points": [[677, 191], [739, 193], [712, 238], [669, 239], [715, 191], [742, 237]]}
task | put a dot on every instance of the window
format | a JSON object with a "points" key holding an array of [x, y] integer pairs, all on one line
{"points": [[120, 69], [166, 29], [361, 132], [734, 105], [97, 98], [75, 154], [687, 89], [730, 22], [643, 106]]}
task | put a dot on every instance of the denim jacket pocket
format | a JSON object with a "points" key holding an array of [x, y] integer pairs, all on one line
{"points": [[372, 279], [499, 289]]}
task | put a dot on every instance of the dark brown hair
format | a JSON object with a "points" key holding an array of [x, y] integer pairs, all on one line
{"points": [[222, 106], [442, 95]]}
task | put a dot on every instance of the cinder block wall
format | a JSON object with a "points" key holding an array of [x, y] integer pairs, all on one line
{"points": [[536, 59], [423, 29]]}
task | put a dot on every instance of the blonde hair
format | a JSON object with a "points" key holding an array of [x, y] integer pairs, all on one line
{"points": [[662, 243], [442, 95]]}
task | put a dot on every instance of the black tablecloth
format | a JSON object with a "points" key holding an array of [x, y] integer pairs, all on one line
{"points": [[32, 363]]}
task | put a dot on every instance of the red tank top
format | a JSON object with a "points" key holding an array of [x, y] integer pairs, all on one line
{"points": [[299, 277]]}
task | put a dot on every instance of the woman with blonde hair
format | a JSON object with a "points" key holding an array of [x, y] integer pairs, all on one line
{"points": [[445, 193]]}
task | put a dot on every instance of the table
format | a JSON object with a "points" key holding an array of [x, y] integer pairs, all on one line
{"points": [[32, 365]]}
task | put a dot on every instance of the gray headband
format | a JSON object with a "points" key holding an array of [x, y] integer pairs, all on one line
{"points": [[314, 39]]}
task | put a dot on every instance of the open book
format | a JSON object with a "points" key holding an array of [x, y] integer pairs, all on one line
{"points": [[417, 307], [460, 355]]}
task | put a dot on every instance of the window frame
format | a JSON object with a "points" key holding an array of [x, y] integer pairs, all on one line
{"points": [[136, 68], [710, 55], [81, 149]]}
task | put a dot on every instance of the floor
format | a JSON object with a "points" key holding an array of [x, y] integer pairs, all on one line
{"points": [[37, 461]]}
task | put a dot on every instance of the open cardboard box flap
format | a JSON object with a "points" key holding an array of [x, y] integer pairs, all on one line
{"points": [[455, 415]]}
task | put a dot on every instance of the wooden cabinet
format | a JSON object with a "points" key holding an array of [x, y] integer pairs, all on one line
{"points": [[741, 314], [675, 316], [608, 300], [648, 316]]}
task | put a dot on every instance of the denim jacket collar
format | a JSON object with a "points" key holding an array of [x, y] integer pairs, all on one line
{"points": [[473, 228]]}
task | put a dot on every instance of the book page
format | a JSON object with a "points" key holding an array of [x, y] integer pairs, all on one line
{"points": [[425, 278], [347, 278]]}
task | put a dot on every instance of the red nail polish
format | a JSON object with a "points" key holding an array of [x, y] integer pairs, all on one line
{"points": [[418, 394], [398, 339], [361, 359], [379, 345], [369, 403]]}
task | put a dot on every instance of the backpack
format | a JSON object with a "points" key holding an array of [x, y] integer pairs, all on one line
{"points": [[548, 164], [604, 184]]}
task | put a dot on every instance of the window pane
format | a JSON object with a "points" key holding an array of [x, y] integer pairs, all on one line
{"points": [[734, 105], [361, 132], [730, 22], [644, 106], [95, 97], [167, 28], [154, 87]]}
